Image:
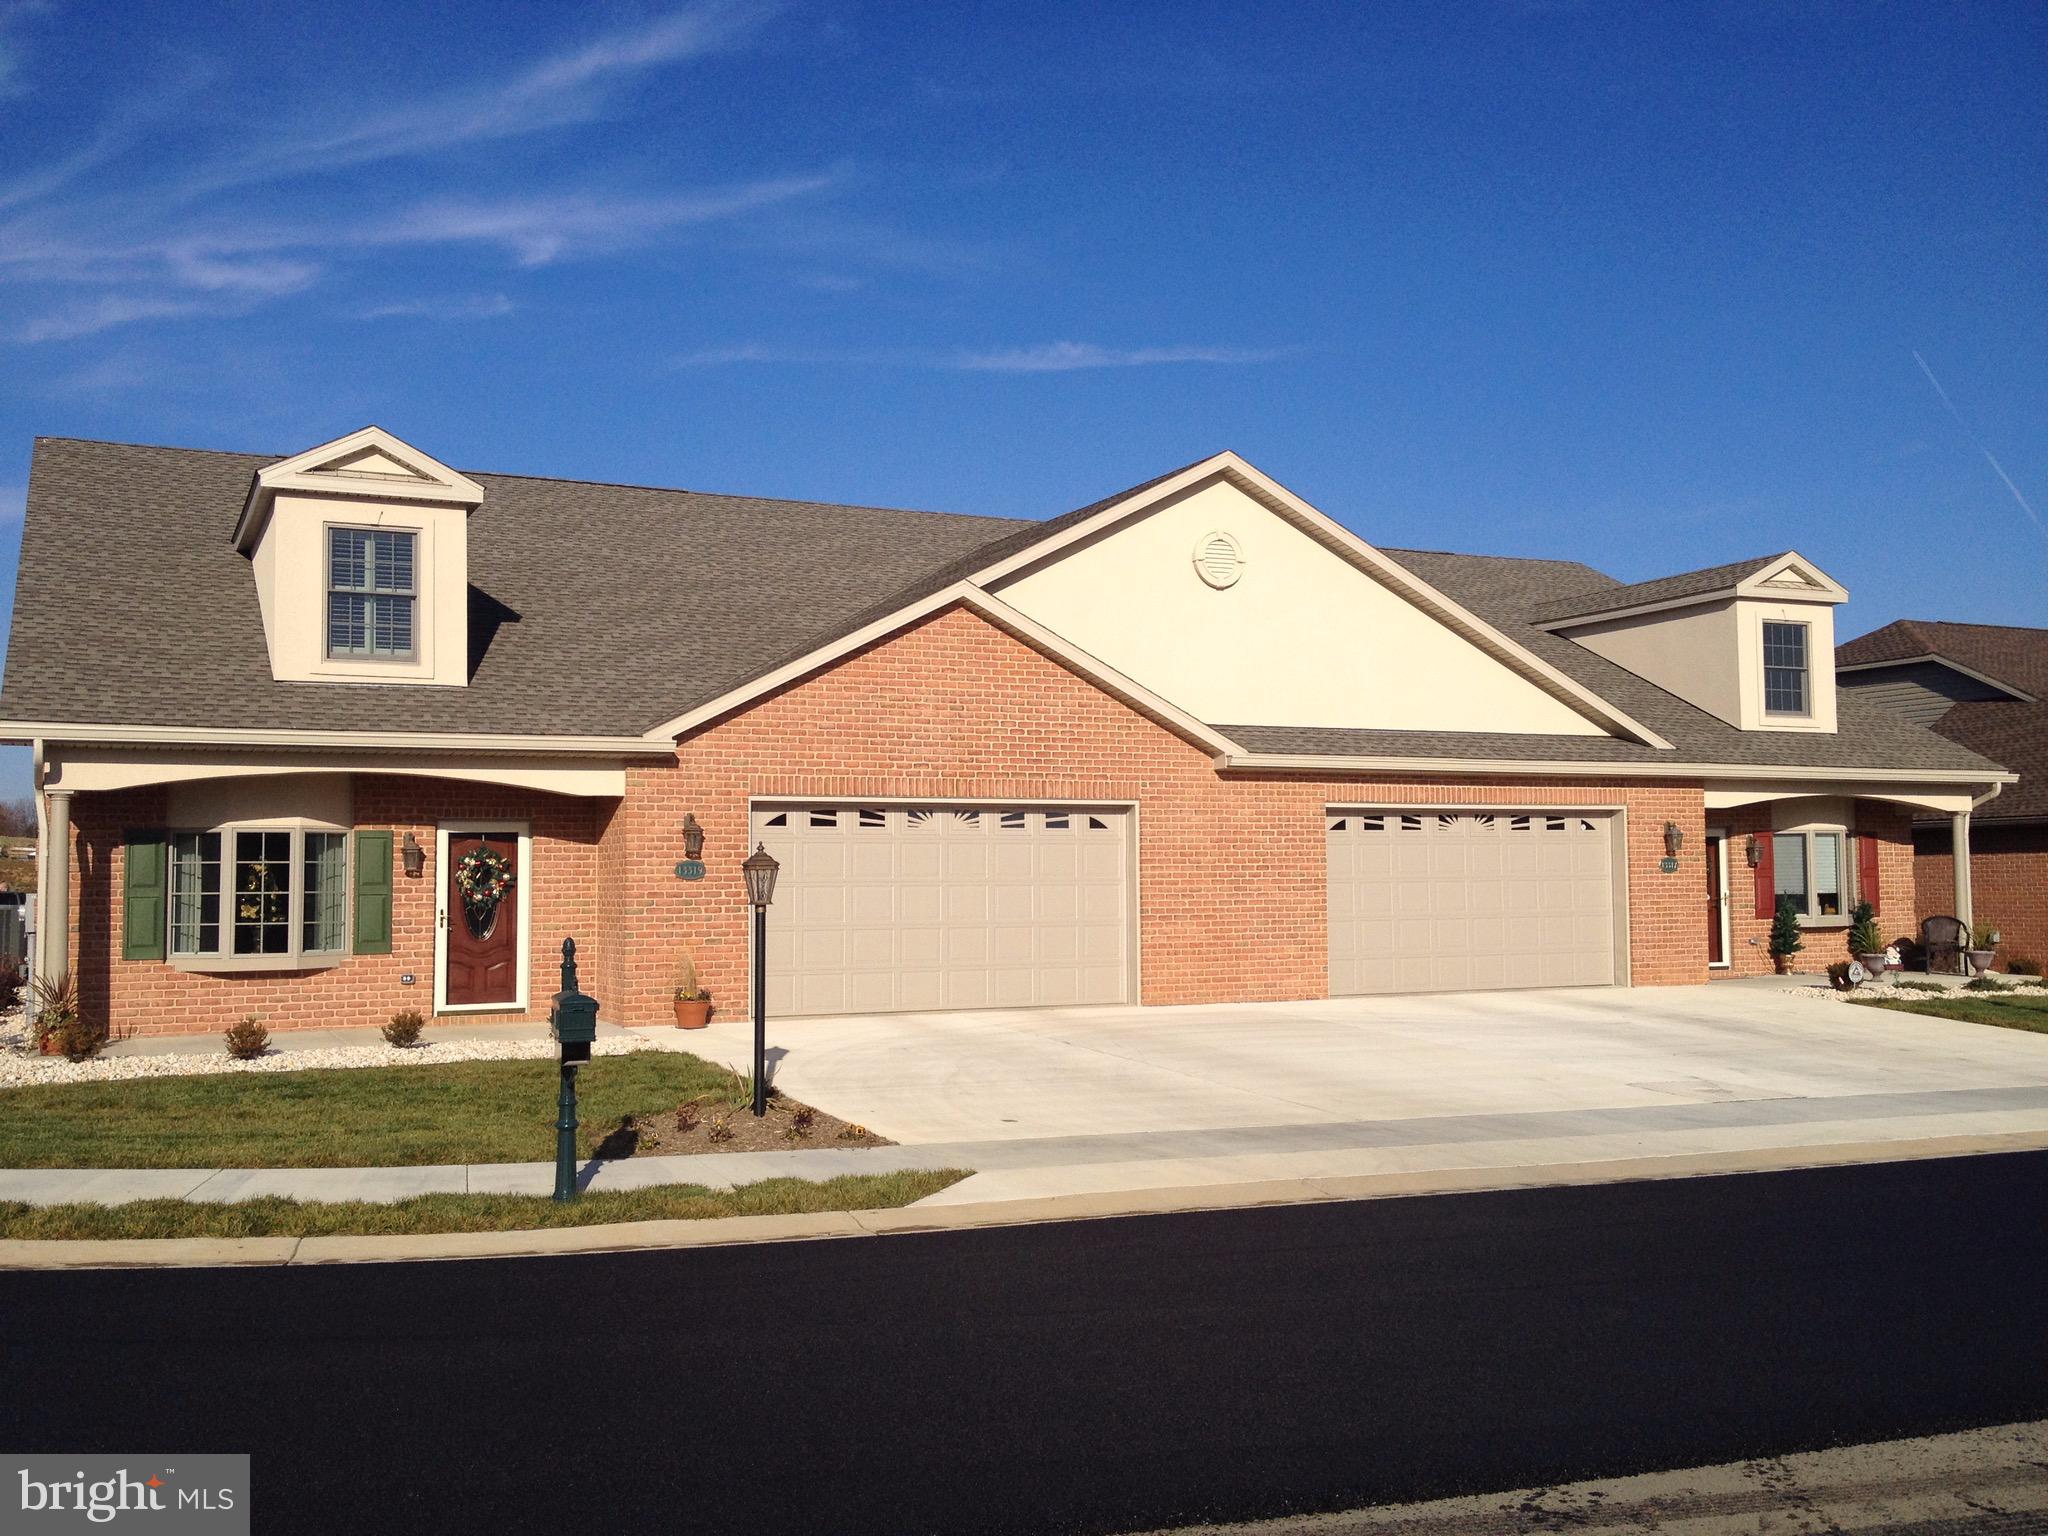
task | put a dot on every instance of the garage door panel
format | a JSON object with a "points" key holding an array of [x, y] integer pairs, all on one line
{"points": [[906, 907], [1466, 900]]}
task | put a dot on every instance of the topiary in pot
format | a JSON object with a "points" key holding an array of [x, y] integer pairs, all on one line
{"points": [[1786, 938], [1866, 939]]}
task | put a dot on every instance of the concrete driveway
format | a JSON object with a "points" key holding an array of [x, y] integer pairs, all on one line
{"points": [[1117, 1097]]}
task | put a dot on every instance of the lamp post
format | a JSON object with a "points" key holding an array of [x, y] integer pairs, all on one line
{"points": [[760, 870]]}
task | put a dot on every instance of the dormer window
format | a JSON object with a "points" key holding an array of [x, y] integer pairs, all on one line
{"points": [[371, 592], [1786, 690]]}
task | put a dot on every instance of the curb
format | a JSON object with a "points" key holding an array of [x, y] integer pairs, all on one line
{"points": [[727, 1231]]}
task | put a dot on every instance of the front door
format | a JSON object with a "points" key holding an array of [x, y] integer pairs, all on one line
{"points": [[483, 936], [1717, 899]]}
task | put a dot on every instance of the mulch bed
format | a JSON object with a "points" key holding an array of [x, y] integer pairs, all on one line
{"points": [[712, 1125]]}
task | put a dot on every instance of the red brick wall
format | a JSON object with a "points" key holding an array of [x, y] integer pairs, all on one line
{"points": [[1231, 893], [2008, 883], [151, 997]]}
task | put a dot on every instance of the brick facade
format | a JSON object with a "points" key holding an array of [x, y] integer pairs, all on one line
{"points": [[1750, 925], [2008, 883], [1230, 895]]}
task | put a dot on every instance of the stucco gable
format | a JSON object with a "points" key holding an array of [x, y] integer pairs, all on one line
{"points": [[1223, 603]]}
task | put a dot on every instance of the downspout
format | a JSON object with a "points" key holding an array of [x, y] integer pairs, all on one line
{"points": [[33, 961], [1959, 856]]}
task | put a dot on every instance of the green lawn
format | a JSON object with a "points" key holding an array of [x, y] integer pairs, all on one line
{"points": [[2029, 1012], [466, 1213], [459, 1112]]}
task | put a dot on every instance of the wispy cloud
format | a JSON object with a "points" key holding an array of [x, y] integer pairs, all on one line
{"points": [[91, 316], [13, 83], [479, 306], [1049, 357], [569, 87], [13, 498], [1065, 356], [1997, 468]]}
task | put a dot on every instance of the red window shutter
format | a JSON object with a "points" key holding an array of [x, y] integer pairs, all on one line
{"points": [[1766, 877], [1866, 868]]}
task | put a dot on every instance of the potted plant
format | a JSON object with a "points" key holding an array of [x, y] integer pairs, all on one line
{"points": [[1866, 941], [693, 1003], [56, 1011], [1786, 940], [1984, 941]]}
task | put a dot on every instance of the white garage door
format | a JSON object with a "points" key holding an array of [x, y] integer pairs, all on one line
{"points": [[888, 908], [1441, 901]]}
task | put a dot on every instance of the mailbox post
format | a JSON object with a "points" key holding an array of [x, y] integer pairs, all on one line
{"points": [[572, 1023]]}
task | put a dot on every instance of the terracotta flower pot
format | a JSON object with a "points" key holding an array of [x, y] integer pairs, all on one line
{"points": [[692, 1013]]}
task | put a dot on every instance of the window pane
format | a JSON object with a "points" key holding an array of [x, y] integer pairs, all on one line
{"points": [[326, 889], [263, 893], [1788, 865], [370, 579], [1827, 874], [1785, 669], [195, 893]]}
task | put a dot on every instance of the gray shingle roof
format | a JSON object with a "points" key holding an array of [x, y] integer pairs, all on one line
{"points": [[2009, 731], [1612, 595], [605, 609], [595, 609], [1510, 594]]}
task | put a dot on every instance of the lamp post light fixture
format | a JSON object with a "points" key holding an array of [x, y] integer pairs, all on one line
{"points": [[414, 855], [1674, 839], [760, 870]]}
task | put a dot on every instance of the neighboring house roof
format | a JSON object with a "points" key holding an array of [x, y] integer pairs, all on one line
{"points": [[2010, 731], [606, 610]]}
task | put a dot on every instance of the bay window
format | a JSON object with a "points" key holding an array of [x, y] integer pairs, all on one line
{"points": [[1809, 866], [250, 898]]}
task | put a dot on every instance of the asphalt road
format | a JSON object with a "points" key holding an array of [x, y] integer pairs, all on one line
{"points": [[1095, 1376]]}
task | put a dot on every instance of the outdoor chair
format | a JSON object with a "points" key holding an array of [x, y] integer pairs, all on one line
{"points": [[1941, 942]]}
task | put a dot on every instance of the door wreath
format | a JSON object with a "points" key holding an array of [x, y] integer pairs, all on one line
{"points": [[483, 877]]}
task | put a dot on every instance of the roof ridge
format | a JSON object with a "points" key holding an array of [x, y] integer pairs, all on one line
{"points": [[501, 474]]}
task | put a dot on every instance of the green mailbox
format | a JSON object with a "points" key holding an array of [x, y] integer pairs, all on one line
{"points": [[572, 1022]]}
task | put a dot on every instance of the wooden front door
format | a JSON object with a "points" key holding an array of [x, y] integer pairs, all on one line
{"points": [[482, 950], [1717, 900]]}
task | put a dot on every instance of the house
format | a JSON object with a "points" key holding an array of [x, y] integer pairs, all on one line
{"points": [[1981, 686], [346, 732]]}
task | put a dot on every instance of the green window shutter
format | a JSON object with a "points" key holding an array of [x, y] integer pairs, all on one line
{"points": [[373, 893], [144, 892]]}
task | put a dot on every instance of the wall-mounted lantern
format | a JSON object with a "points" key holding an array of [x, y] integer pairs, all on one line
{"points": [[414, 855], [1752, 852], [1674, 839], [693, 836]]}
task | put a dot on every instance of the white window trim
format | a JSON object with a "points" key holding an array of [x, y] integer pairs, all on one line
{"points": [[366, 669], [1763, 660], [524, 832], [1809, 830], [1725, 917], [297, 958]]}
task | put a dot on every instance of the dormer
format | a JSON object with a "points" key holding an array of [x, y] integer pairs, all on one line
{"points": [[1752, 643], [360, 550]]}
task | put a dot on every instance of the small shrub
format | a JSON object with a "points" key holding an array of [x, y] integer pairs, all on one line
{"points": [[1785, 934], [737, 1090], [1838, 975], [801, 1120], [56, 1008], [2023, 966], [81, 1039], [12, 980], [248, 1039], [1984, 984], [720, 1129], [404, 1029], [852, 1132], [1918, 986], [687, 1116]]}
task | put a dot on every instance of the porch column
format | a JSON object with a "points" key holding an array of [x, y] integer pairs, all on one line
{"points": [[53, 914], [1959, 845]]}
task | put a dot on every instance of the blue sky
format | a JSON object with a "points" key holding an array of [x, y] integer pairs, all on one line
{"points": [[1642, 286]]}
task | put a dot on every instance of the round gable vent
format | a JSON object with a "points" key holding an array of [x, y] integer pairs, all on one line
{"points": [[1218, 560]]}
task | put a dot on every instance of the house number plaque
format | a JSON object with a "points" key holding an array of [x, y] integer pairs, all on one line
{"points": [[690, 869]]}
